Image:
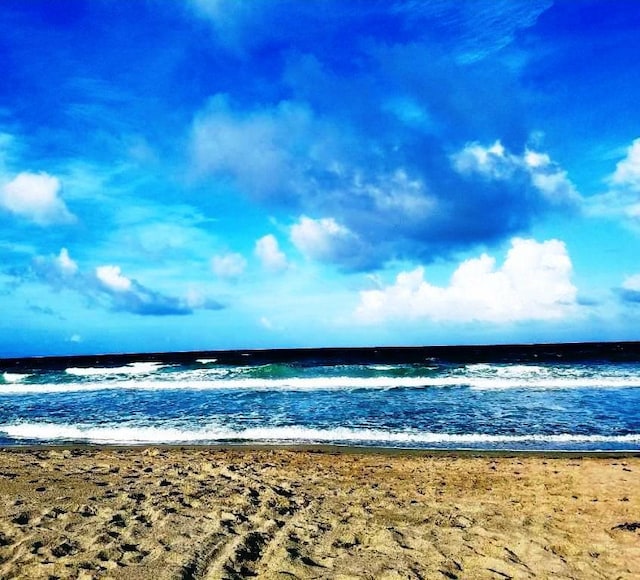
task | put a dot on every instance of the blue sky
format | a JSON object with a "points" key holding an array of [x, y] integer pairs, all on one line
{"points": [[215, 174]]}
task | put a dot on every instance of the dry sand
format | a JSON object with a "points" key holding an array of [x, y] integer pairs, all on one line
{"points": [[236, 513]]}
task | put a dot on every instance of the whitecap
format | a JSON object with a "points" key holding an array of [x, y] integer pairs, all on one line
{"points": [[14, 377], [136, 368]]}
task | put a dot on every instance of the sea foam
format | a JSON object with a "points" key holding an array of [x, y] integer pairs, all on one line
{"points": [[288, 434]]}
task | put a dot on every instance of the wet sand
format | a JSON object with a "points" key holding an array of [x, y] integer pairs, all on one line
{"points": [[196, 513]]}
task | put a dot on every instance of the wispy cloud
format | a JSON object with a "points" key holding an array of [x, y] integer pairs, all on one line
{"points": [[229, 265], [629, 292], [107, 286]]}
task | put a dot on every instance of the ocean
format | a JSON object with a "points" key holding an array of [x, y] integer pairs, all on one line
{"points": [[562, 397]]}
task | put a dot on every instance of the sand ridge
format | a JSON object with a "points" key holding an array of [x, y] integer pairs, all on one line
{"points": [[203, 513]]}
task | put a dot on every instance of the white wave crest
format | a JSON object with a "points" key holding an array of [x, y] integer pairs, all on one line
{"points": [[218, 379], [381, 367], [290, 434], [136, 368], [14, 377], [204, 382]]}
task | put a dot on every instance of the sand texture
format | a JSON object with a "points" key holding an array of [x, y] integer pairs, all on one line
{"points": [[238, 513]]}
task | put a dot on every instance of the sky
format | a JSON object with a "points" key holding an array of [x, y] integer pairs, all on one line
{"points": [[222, 174]]}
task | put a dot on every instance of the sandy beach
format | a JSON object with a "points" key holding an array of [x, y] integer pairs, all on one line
{"points": [[195, 513]]}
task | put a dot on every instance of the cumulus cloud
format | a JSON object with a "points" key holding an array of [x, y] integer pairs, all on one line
{"points": [[230, 265], [327, 240], [319, 239], [533, 283], [496, 163], [622, 199], [36, 197], [627, 173], [268, 252], [112, 279]]}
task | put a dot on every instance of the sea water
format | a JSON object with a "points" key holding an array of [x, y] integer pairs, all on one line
{"points": [[494, 401]]}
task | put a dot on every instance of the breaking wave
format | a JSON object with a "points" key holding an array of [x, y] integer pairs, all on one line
{"points": [[290, 434], [136, 368], [152, 376]]}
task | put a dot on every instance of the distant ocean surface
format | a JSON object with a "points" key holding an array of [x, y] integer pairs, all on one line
{"points": [[541, 397]]}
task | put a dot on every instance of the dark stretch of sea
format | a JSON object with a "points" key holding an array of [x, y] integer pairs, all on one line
{"points": [[563, 397]]}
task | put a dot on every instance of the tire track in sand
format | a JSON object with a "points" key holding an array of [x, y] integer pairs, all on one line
{"points": [[236, 548]]}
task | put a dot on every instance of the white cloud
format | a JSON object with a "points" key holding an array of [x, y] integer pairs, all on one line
{"points": [[632, 283], [229, 265], [65, 264], [630, 290], [488, 161], [111, 277], [269, 253], [321, 239], [622, 199], [256, 149], [195, 298], [60, 271], [627, 171], [536, 159], [394, 194], [534, 283], [496, 163], [35, 196], [112, 288], [231, 20]]}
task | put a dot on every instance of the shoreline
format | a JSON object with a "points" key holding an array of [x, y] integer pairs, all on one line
{"points": [[338, 449], [195, 512]]}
